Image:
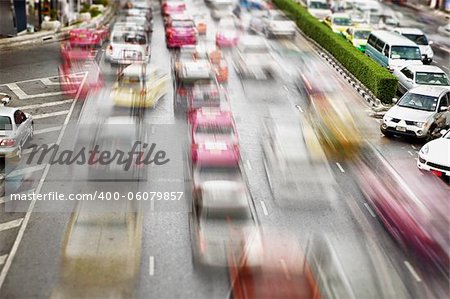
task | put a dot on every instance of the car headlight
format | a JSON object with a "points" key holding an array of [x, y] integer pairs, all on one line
{"points": [[419, 124], [425, 149]]}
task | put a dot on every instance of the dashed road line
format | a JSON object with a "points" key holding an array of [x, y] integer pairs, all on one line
{"points": [[412, 271], [370, 210], [10, 224], [413, 146], [249, 165], [299, 108], [3, 259], [151, 266], [446, 67], [264, 208], [45, 115], [409, 152], [45, 104], [47, 130], [340, 167]]}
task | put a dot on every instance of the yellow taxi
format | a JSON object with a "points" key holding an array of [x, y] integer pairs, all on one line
{"points": [[139, 85], [358, 36], [338, 22]]}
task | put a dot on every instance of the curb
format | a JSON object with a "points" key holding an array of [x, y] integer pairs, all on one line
{"points": [[43, 37]]}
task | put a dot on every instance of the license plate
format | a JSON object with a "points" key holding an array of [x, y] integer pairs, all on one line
{"points": [[401, 129]]}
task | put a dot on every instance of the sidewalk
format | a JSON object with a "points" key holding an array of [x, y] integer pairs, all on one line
{"points": [[45, 36]]}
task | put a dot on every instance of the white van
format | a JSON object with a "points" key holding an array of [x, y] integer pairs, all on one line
{"points": [[319, 9], [392, 50]]}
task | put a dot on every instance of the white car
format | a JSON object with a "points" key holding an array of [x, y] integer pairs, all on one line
{"points": [[435, 155], [417, 36], [127, 47], [415, 113], [319, 9], [414, 75], [273, 23], [221, 8], [16, 128]]}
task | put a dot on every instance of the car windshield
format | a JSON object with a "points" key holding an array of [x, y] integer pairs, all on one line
{"points": [[214, 130], [129, 38], [362, 34], [405, 52], [432, 78], [419, 39], [5, 123], [318, 5], [182, 24], [419, 102], [342, 21]]}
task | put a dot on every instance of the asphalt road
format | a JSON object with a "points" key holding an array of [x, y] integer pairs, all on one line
{"points": [[367, 253]]}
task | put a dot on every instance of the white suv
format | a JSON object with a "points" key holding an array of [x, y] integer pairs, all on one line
{"points": [[127, 47], [415, 113], [417, 36]]}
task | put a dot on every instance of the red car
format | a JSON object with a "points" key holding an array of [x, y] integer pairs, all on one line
{"points": [[413, 207], [181, 33], [87, 37], [213, 124]]}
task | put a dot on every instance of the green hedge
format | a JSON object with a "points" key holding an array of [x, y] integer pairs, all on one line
{"points": [[378, 79]]}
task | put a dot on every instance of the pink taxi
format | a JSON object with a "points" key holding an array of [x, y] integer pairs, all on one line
{"points": [[86, 37]]}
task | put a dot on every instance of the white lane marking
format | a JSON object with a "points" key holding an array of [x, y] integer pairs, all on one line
{"points": [[446, 67], [285, 88], [285, 269], [249, 165], [74, 75], [413, 272], [23, 171], [21, 232], [151, 266], [409, 152], [10, 224], [264, 208], [48, 82], [299, 108], [413, 146], [370, 210], [3, 259], [45, 115], [47, 130], [46, 104], [16, 89], [340, 167], [29, 150]]}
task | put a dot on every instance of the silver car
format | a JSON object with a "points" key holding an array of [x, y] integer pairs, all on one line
{"points": [[16, 127], [415, 75]]}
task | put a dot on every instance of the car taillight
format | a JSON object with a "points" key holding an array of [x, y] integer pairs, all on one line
{"points": [[7, 142]]}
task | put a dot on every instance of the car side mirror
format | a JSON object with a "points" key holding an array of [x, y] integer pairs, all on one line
{"points": [[443, 108], [394, 100]]}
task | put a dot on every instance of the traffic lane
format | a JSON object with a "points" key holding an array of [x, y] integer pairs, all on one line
{"points": [[29, 63]]}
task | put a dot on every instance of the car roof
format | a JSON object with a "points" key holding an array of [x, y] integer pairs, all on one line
{"points": [[433, 91], [135, 69], [393, 38], [340, 15], [425, 68], [198, 69], [7, 111], [409, 31]]}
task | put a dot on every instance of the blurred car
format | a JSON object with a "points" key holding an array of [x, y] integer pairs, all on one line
{"points": [[295, 163], [228, 33], [172, 7], [273, 23], [137, 12], [177, 17], [434, 156], [221, 217], [338, 22], [142, 22], [86, 37], [253, 58], [415, 113], [384, 21], [414, 75], [417, 36], [414, 209], [199, 74], [214, 153], [212, 124], [221, 8], [127, 47], [180, 33], [358, 36], [139, 86], [255, 4], [319, 9], [200, 23], [125, 25], [219, 64], [16, 128], [268, 266], [334, 125]]}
